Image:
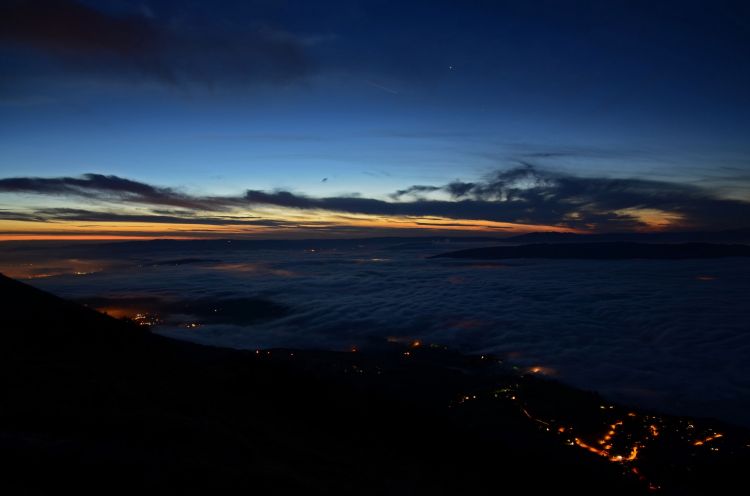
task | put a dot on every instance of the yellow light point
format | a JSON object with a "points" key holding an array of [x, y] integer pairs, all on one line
{"points": [[654, 430], [416, 344]]}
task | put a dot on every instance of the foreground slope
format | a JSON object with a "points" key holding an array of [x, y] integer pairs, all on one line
{"points": [[95, 403]]}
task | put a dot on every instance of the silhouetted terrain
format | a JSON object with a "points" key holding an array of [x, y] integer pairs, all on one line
{"points": [[604, 251], [90, 402], [726, 236]]}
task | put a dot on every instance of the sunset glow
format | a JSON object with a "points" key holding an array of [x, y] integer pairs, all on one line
{"points": [[295, 225]]}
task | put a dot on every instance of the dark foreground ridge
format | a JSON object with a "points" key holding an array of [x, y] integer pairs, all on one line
{"points": [[94, 403], [604, 251]]}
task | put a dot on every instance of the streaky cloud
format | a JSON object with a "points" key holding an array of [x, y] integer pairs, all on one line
{"points": [[524, 194], [111, 188]]}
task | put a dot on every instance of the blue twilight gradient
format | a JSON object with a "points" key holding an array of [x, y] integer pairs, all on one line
{"points": [[380, 95]]}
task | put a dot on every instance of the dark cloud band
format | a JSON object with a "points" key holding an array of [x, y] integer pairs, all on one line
{"points": [[119, 45], [523, 194]]}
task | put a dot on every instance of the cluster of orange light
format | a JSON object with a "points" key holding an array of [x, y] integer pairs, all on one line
{"points": [[604, 441], [605, 451], [538, 369], [608, 436], [145, 319], [707, 440], [604, 448]]}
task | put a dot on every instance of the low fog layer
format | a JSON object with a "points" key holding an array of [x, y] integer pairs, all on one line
{"points": [[671, 335]]}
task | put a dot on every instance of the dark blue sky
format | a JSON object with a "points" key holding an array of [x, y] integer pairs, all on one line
{"points": [[339, 99]]}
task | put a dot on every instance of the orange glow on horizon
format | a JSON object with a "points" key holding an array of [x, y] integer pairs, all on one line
{"points": [[85, 237], [291, 224]]}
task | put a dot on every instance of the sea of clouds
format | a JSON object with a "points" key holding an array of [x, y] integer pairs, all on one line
{"points": [[672, 335]]}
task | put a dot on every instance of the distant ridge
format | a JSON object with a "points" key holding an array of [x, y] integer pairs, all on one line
{"points": [[604, 251], [729, 236]]}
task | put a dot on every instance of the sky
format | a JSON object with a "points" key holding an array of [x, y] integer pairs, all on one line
{"points": [[273, 118]]}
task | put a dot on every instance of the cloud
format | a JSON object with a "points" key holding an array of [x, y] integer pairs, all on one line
{"points": [[20, 216], [461, 209], [602, 201], [170, 49], [530, 195], [414, 190], [71, 214], [70, 27], [524, 194], [111, 188]]}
